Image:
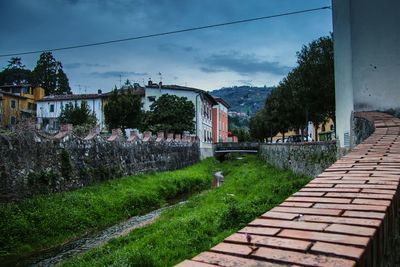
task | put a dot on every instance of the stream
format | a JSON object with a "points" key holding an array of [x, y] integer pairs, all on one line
{"points": [[57, 255]]}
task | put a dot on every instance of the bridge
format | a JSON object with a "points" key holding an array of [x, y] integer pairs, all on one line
{"points": [[221, 149]]}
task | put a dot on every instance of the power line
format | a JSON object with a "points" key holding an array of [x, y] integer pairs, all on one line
{"points": [[168, 33]]}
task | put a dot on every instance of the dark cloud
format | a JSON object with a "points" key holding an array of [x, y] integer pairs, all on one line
{"points": [[244, 64], [76, 65], [174, 48], [113, 74]]}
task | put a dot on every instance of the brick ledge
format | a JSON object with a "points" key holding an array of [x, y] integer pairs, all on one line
{"points": [[346, 216]]}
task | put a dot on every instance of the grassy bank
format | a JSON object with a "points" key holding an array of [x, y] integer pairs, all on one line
{"points": [[47, 221], [250, 189]]}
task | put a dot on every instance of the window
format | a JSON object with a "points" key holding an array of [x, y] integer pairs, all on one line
{"points": [[13, 103], [13, 120], [52, 108], [151, 98]]}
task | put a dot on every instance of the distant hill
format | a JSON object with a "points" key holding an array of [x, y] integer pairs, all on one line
{"points": [[245, 99]]}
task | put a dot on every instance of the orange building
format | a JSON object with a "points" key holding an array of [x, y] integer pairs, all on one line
{"points": [[18, 102], [220, 121]]}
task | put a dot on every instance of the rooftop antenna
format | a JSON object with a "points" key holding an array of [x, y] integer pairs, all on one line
{"points": [[159, 74]]}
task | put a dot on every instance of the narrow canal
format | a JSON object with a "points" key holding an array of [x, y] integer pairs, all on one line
{"points": [[58, 255]]}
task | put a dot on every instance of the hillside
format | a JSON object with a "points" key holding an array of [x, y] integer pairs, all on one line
{"points": [[245, 99]]}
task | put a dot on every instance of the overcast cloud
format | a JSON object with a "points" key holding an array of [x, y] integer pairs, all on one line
{"points": [[258, 53]]}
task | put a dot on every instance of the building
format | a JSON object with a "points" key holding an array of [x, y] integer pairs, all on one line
{"points": [[49, 108], [220, 121], [18, 102], [202, 101], [367, 54]]}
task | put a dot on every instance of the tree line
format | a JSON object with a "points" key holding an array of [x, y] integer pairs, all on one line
{"points": [[305, 95], [48, 73]]}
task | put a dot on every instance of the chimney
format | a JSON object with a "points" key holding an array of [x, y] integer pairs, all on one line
{"points": [[150, 83]]}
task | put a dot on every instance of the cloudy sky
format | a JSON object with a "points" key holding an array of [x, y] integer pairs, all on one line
{"points": [[256, 53]]}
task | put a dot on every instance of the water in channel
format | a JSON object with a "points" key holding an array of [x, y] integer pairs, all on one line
{"points": [[56, 256]]}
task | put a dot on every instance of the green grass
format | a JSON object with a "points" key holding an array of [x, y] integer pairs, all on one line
{"points": [[250, 189], [48, 221]]}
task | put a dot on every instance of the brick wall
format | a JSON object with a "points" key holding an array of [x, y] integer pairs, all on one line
{"points": [[346, 216]]}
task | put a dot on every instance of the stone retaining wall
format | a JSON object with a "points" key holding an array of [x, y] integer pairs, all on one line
{"points": [[302, 158], [31, 164], [347, 216]]}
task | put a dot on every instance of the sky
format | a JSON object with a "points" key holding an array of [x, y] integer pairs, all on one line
{"points": [[257, 53]]}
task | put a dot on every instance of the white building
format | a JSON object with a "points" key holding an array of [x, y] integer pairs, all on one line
{"points": [[49, 108], [366, 38], [202, 101]]}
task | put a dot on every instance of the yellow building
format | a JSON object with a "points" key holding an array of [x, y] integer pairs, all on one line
{"points": [[18, 102]]}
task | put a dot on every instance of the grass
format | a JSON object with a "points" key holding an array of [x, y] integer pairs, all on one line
{"points": [[47, 221], [250, 189]]}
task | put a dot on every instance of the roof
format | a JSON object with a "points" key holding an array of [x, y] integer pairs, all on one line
{"points": [[11, 94], [222, 101], [69, 97], [184, 88], [15, 85], [134, 90]]}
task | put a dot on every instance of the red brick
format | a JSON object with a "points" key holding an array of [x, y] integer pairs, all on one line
{"points": [[326, 181], [305, 189], [292, 257], [320, 199], [307, 211], [232, 249], [342, 220], [349, 229], [311, 185], [339, 250], [367, 186], [190, 263], [232, 261], [364, 214], [360, 195], [279, 215], [309, 194], [270, 242], [327, 237], [297, 204], [379, 191], [259, 230], [289, 224], [371, 202], [350, 207]]}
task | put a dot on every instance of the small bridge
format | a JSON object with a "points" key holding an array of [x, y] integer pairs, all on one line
{"points": [[221, 149]]}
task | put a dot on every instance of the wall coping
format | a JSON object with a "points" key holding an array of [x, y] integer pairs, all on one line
{"points": [[346, 216]]}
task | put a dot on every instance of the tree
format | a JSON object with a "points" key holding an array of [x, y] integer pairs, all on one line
{"points": [[62, 83], [123, 110], [77, 115], [15, 72], [48, 73], [316, 73], [171, 113]]}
